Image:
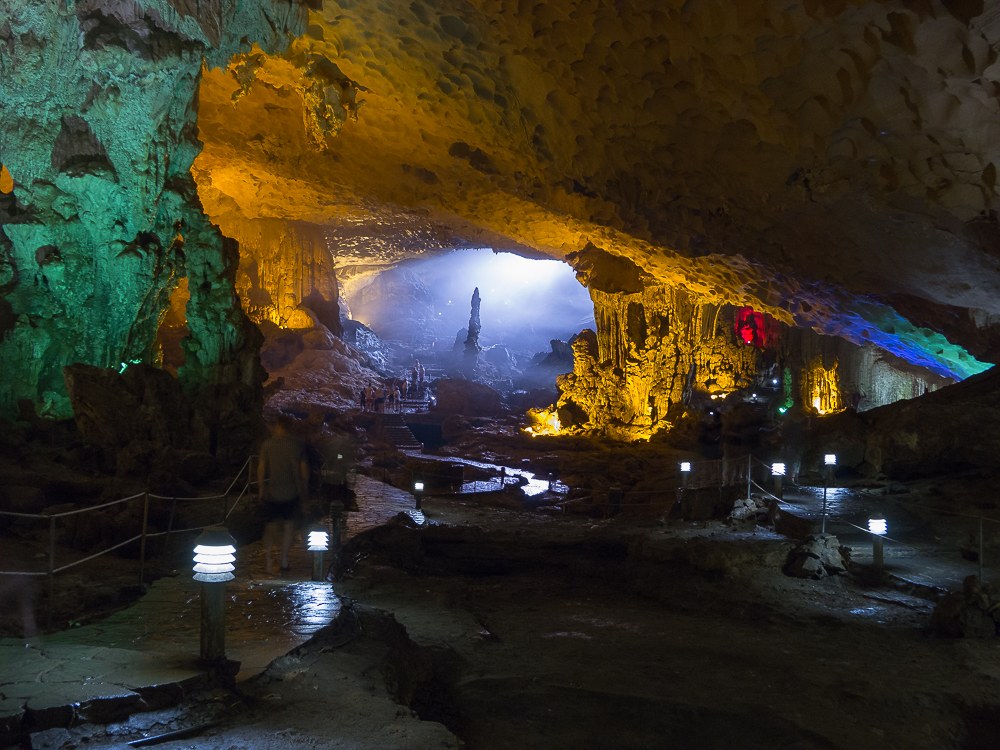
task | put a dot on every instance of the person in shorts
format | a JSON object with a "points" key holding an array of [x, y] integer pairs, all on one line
{"points": [[283, 485]]}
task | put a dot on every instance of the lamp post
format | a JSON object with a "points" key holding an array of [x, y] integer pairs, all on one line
{"points": [[829, 460], [214, 557], [418, 491], [685, 473], [878, 528], [319, 542], [777, 471]]}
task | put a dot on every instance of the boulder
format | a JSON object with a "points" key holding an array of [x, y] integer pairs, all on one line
{"points": [[118, 409], [708, 503], [18, 499], [973, 612], [817, 557], [468, 398]]}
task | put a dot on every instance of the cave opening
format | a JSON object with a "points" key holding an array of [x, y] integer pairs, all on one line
{"points": [[526, 302]]}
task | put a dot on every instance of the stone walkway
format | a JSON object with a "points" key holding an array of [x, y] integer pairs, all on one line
{"points": [[147, 654], [912, 551]]}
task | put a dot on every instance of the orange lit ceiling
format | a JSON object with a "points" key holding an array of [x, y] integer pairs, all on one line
{"points": [[756, 153]]}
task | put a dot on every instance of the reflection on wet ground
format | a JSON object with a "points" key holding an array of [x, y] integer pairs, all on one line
{"points": [[536, 485], [377, 503]]}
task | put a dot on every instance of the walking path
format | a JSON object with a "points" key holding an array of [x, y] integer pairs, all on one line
{"points": [[916, 555], [147, 654]]}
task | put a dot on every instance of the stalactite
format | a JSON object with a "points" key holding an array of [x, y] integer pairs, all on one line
{"points": [[634, 369]]}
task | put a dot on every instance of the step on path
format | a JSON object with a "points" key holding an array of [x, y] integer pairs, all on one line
{"points": [[393, 428]]}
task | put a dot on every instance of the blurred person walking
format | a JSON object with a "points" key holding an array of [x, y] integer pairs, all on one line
{"points": [[283, 482]]}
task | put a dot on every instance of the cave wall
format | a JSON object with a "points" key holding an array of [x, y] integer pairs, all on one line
{"points": [[794, 157], [286, 274], [99, 109], [658, 348]]}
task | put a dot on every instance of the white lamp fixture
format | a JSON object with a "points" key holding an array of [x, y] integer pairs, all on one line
{"points": [[685, 466], [214, 555], [213, 566], [778, 469], [830, 459], [319, 541], [418, 486], [878, 525]]}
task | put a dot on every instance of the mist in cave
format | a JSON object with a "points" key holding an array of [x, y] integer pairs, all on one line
{"points": [[526, 302]]}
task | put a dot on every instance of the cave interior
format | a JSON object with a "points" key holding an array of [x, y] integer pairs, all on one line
{"points": [[697, 276]]}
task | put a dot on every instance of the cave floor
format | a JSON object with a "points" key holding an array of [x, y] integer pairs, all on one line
{"points": [[505, 628]]}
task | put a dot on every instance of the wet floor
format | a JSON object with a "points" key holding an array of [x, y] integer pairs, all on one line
{"points": [[536, 485]]}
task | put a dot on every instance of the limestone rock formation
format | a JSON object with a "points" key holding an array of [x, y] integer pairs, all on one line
{"points": [[143, 411], [926, 436], [829, 164], [472, 347], [973, 612], [795, 159], [102, 219], [817, 557]]}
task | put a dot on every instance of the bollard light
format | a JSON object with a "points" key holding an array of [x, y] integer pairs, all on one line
{"points": [[878, 527], [214, 555], [778, 471], [830, 460], [319, 542], [418, 491], [685, 473]]}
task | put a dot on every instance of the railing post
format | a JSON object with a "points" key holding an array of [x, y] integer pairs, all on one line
{"points": [[981, 581], [142, 544], [52, 567], [170, 524]]}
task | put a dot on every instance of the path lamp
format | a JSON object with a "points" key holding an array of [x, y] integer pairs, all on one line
{"points": [[319, 542], [418, 492], [214, 555], [829, 461], [685, 473], [777, 471], [878, 528]]}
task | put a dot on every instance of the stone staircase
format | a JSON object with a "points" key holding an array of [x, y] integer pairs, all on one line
{"points": [[393, 429]]}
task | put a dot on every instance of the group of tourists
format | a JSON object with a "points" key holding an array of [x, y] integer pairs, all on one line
{"points": [[382, 399], [388, 397]]}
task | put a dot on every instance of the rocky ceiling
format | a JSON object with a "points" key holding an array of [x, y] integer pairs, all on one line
{"points": [[828, 160], [831, 162]]}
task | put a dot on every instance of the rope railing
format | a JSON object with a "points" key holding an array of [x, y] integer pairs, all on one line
{"points": [[71, 512], [52, 569]]}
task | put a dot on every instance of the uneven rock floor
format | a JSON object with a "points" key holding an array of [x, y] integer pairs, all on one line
{"points": [[504, 629]]}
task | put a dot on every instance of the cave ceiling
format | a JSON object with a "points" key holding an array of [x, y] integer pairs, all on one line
{"points": [[818, 159]]}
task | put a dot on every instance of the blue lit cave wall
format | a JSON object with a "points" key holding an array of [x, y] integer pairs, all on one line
{"points": [[100, 216]]}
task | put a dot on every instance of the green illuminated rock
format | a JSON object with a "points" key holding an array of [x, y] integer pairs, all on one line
{"points": [[98, 111]]}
